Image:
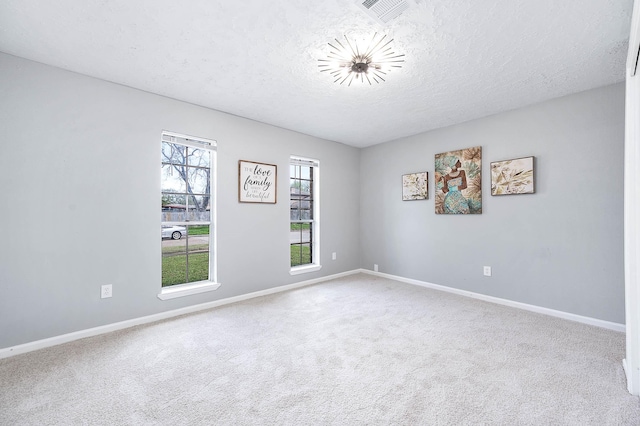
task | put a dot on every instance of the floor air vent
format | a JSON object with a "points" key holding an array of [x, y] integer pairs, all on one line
{"points": [[383, 11]]}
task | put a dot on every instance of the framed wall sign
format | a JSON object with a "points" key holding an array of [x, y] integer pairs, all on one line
{"points": [[257, 182]]}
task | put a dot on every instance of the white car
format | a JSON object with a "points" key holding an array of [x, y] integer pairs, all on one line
{"points": [[173, 232]]}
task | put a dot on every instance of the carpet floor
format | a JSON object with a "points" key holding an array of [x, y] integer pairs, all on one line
{"points": [[359, 350]]}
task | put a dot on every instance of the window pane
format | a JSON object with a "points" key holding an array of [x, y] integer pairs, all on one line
{"points": [[174, 269], [199, 234], [173, 232], [198, 253], [199, 208], [198, 267], [306, 253], [173, 199], [199, 158], [198, 180], [304, 188], [300, 233], [172, 209], [299, 187], [305, 214], [295, 255], [174, 255], [172, 180], [173, 153], [300, 254], [185, 254], [295, 197], [305, 172]]}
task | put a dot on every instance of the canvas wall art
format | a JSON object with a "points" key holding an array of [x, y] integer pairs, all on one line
{"points": [[415, 186], [458, 179], [512, 176]]}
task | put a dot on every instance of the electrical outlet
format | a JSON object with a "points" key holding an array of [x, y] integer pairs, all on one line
{"points": [[375, 267], [106, 291], [333, 256], [487, 271]]}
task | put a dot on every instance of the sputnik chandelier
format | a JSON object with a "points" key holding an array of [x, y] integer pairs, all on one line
{"points": [[347, 61]]}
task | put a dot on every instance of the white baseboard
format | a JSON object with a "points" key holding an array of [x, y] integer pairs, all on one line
{"points": [[65, 338], [532, 308], [70, 337]]}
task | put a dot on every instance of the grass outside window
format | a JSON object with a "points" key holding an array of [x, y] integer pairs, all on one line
{"points": [[300, 255], [174, 268]]}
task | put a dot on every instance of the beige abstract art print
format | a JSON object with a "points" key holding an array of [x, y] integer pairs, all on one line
{"points": [[510, 177], [458, 180], [415, 186]]}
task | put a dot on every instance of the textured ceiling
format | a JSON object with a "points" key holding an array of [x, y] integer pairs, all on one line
{"points": [[258, 59]]}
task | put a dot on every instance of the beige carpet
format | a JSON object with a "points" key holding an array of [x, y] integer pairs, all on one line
{"points": [[358, 350]]}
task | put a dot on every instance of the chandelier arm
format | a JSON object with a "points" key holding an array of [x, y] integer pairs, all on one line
{"points": [[373, 49], [345, 77], [377, 47], [338, 41], [370, 43], [353, 52], [382, 47], [334, 46]]}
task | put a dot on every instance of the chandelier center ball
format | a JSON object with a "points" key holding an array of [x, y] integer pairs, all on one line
{"points": [[359, 67]]}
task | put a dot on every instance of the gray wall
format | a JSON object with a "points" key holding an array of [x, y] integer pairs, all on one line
{"points": [[80, 197], [80, 201], [561, 248]]}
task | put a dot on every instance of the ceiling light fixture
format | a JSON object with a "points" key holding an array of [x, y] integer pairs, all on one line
{"points": [[348, 62]]}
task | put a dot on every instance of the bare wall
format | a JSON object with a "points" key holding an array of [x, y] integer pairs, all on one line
{"points": [[80, 178], [80, 196], [560, 248]]}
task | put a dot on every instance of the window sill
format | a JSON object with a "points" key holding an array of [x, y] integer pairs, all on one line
{"points": [[181, 290], [304, 269]]}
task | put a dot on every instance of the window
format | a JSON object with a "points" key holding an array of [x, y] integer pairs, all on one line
{"points": [[304, 226], [187, 211]]}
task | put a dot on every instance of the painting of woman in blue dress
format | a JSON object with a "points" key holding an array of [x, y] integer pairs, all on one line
{"points": [[458, 178], [454, 182]]}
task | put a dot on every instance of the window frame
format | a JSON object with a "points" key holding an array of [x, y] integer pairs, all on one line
{"points": [[315, 264], [189, 288]]}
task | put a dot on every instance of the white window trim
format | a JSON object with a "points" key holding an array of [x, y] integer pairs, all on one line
{"points": [[297, 270], [315, 265], [631, 362], [181, 290], [188, 289]]}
